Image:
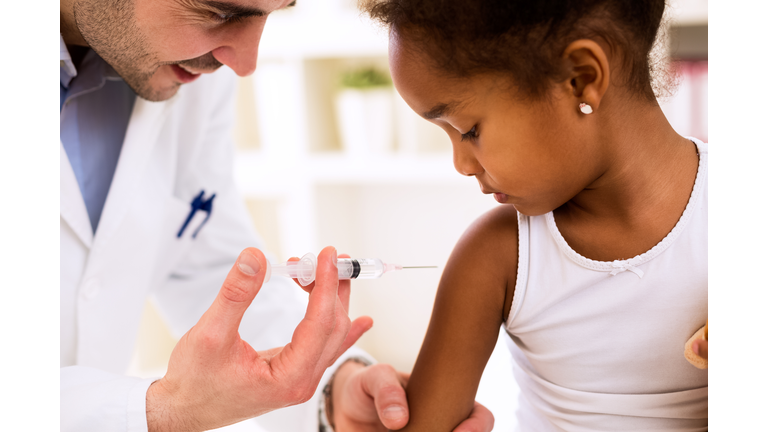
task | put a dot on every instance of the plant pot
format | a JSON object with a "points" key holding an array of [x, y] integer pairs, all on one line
{"points": [[364, 119]]}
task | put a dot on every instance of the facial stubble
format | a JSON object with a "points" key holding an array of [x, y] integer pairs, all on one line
{"points": [[111, 30]]}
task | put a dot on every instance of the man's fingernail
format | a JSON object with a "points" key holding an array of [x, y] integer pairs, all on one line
{"points": [[335, 258], [695, 348], [248, 264], [393, 413]]}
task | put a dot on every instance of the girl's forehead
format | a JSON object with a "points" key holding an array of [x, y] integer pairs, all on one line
{"points": [[433, 93], [405, 60], [420, 83]]}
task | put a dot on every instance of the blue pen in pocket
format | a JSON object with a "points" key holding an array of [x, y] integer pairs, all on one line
{"points": [[198, 204]]}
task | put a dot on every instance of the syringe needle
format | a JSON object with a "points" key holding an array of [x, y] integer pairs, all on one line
{"points": [[410, 267]]}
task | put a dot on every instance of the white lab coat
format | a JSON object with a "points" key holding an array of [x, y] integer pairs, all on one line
{"points": [[172, 151]]}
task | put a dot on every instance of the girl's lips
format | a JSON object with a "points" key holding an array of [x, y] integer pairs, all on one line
{"points": [[501, 198], [184, 76]]}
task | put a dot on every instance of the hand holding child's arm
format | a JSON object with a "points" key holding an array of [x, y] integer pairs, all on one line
{"points": [[469, 308], [372, 398]]}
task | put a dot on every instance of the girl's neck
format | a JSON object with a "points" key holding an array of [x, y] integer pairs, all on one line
{"points": [[642, 192]]}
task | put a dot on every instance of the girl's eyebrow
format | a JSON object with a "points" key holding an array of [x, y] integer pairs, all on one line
{"points": [[439, 110]]}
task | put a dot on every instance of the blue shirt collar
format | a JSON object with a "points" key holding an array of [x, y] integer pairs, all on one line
{"points": [[101, 70], [66, 66]]}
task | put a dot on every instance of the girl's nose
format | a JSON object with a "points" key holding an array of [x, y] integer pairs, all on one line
{"points": [[464, 161]]}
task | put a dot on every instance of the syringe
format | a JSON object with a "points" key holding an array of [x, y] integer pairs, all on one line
{"points": [[349, 268]]}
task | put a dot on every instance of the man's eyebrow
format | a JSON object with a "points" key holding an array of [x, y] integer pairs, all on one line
{"points": [[439, 110], [233, 9]]}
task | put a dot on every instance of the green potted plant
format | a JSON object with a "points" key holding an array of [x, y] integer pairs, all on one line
{"points": [[364, 111]]}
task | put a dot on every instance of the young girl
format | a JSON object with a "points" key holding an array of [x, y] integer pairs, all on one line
{"points": [[596, 263]]}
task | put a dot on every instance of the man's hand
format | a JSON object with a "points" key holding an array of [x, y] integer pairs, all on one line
{"points": [[215, 378], [373, 398]]}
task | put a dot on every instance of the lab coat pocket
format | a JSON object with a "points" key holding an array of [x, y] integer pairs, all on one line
{"points": [[177, 246]]}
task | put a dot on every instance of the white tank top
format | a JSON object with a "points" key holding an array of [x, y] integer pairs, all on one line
{"points": [[598, 346]]}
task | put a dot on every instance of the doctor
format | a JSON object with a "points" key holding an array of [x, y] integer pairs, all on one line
{"points": [[149, 210]]}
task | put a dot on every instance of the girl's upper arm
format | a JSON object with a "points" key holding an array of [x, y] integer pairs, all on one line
{"points": [[471, 301]]}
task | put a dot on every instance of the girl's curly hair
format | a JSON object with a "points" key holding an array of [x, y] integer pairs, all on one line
{"points": [[525, 37]]}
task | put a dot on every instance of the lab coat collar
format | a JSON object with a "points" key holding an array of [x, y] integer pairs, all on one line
{"points": [[146, 122], [71, 203], [145, 126]]}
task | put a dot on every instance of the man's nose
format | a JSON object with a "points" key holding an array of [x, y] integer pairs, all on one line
{"points": [[241, 49], [464, 160]]}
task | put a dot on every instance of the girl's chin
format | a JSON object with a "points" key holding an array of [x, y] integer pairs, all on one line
{"points": [[501, 198]]}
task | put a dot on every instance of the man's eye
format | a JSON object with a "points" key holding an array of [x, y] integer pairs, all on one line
{"points": [[471, 135], [225, 17]]}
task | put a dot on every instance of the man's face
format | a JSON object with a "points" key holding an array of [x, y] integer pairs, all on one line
{"points": [[158, 45]]}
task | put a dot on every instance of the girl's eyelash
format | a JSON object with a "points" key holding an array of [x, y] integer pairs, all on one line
{"points": [[471, 135]]}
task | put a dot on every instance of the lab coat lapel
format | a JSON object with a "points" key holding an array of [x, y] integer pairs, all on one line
{"points": [[71, 203], [146, 122]]}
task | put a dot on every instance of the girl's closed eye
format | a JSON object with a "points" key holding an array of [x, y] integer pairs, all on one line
{"points": [[471, 135]]}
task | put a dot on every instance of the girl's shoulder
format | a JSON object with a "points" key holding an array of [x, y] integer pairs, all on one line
{"points": [[497, 225], [488, 250]]}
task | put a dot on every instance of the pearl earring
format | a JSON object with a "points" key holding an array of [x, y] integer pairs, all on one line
{"points": [[585, 108]]}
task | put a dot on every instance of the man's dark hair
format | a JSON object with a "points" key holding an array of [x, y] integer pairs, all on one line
{"points": [[524, 37]]}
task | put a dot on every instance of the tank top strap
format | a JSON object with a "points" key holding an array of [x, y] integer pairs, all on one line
{"points": [[700, 145], [523, 261]]}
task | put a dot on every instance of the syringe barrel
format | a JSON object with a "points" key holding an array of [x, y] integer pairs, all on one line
{"points": [[361, 268], [349, 268]]}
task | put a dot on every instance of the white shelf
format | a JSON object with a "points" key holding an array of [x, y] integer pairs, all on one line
{"points": [[259, 175]]}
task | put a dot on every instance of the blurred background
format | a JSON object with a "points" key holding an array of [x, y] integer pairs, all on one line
{"points": [[329, 154]]}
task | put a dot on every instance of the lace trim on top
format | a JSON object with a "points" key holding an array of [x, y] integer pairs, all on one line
{"points": [[618, 266]]}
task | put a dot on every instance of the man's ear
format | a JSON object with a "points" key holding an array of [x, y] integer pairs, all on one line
{"points": [[588, 71]]}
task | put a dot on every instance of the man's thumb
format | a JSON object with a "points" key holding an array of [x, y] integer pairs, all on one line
{"points": [[237, 292]]}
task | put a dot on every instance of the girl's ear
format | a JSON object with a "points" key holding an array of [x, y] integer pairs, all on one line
{"points": [[588, 71]]}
